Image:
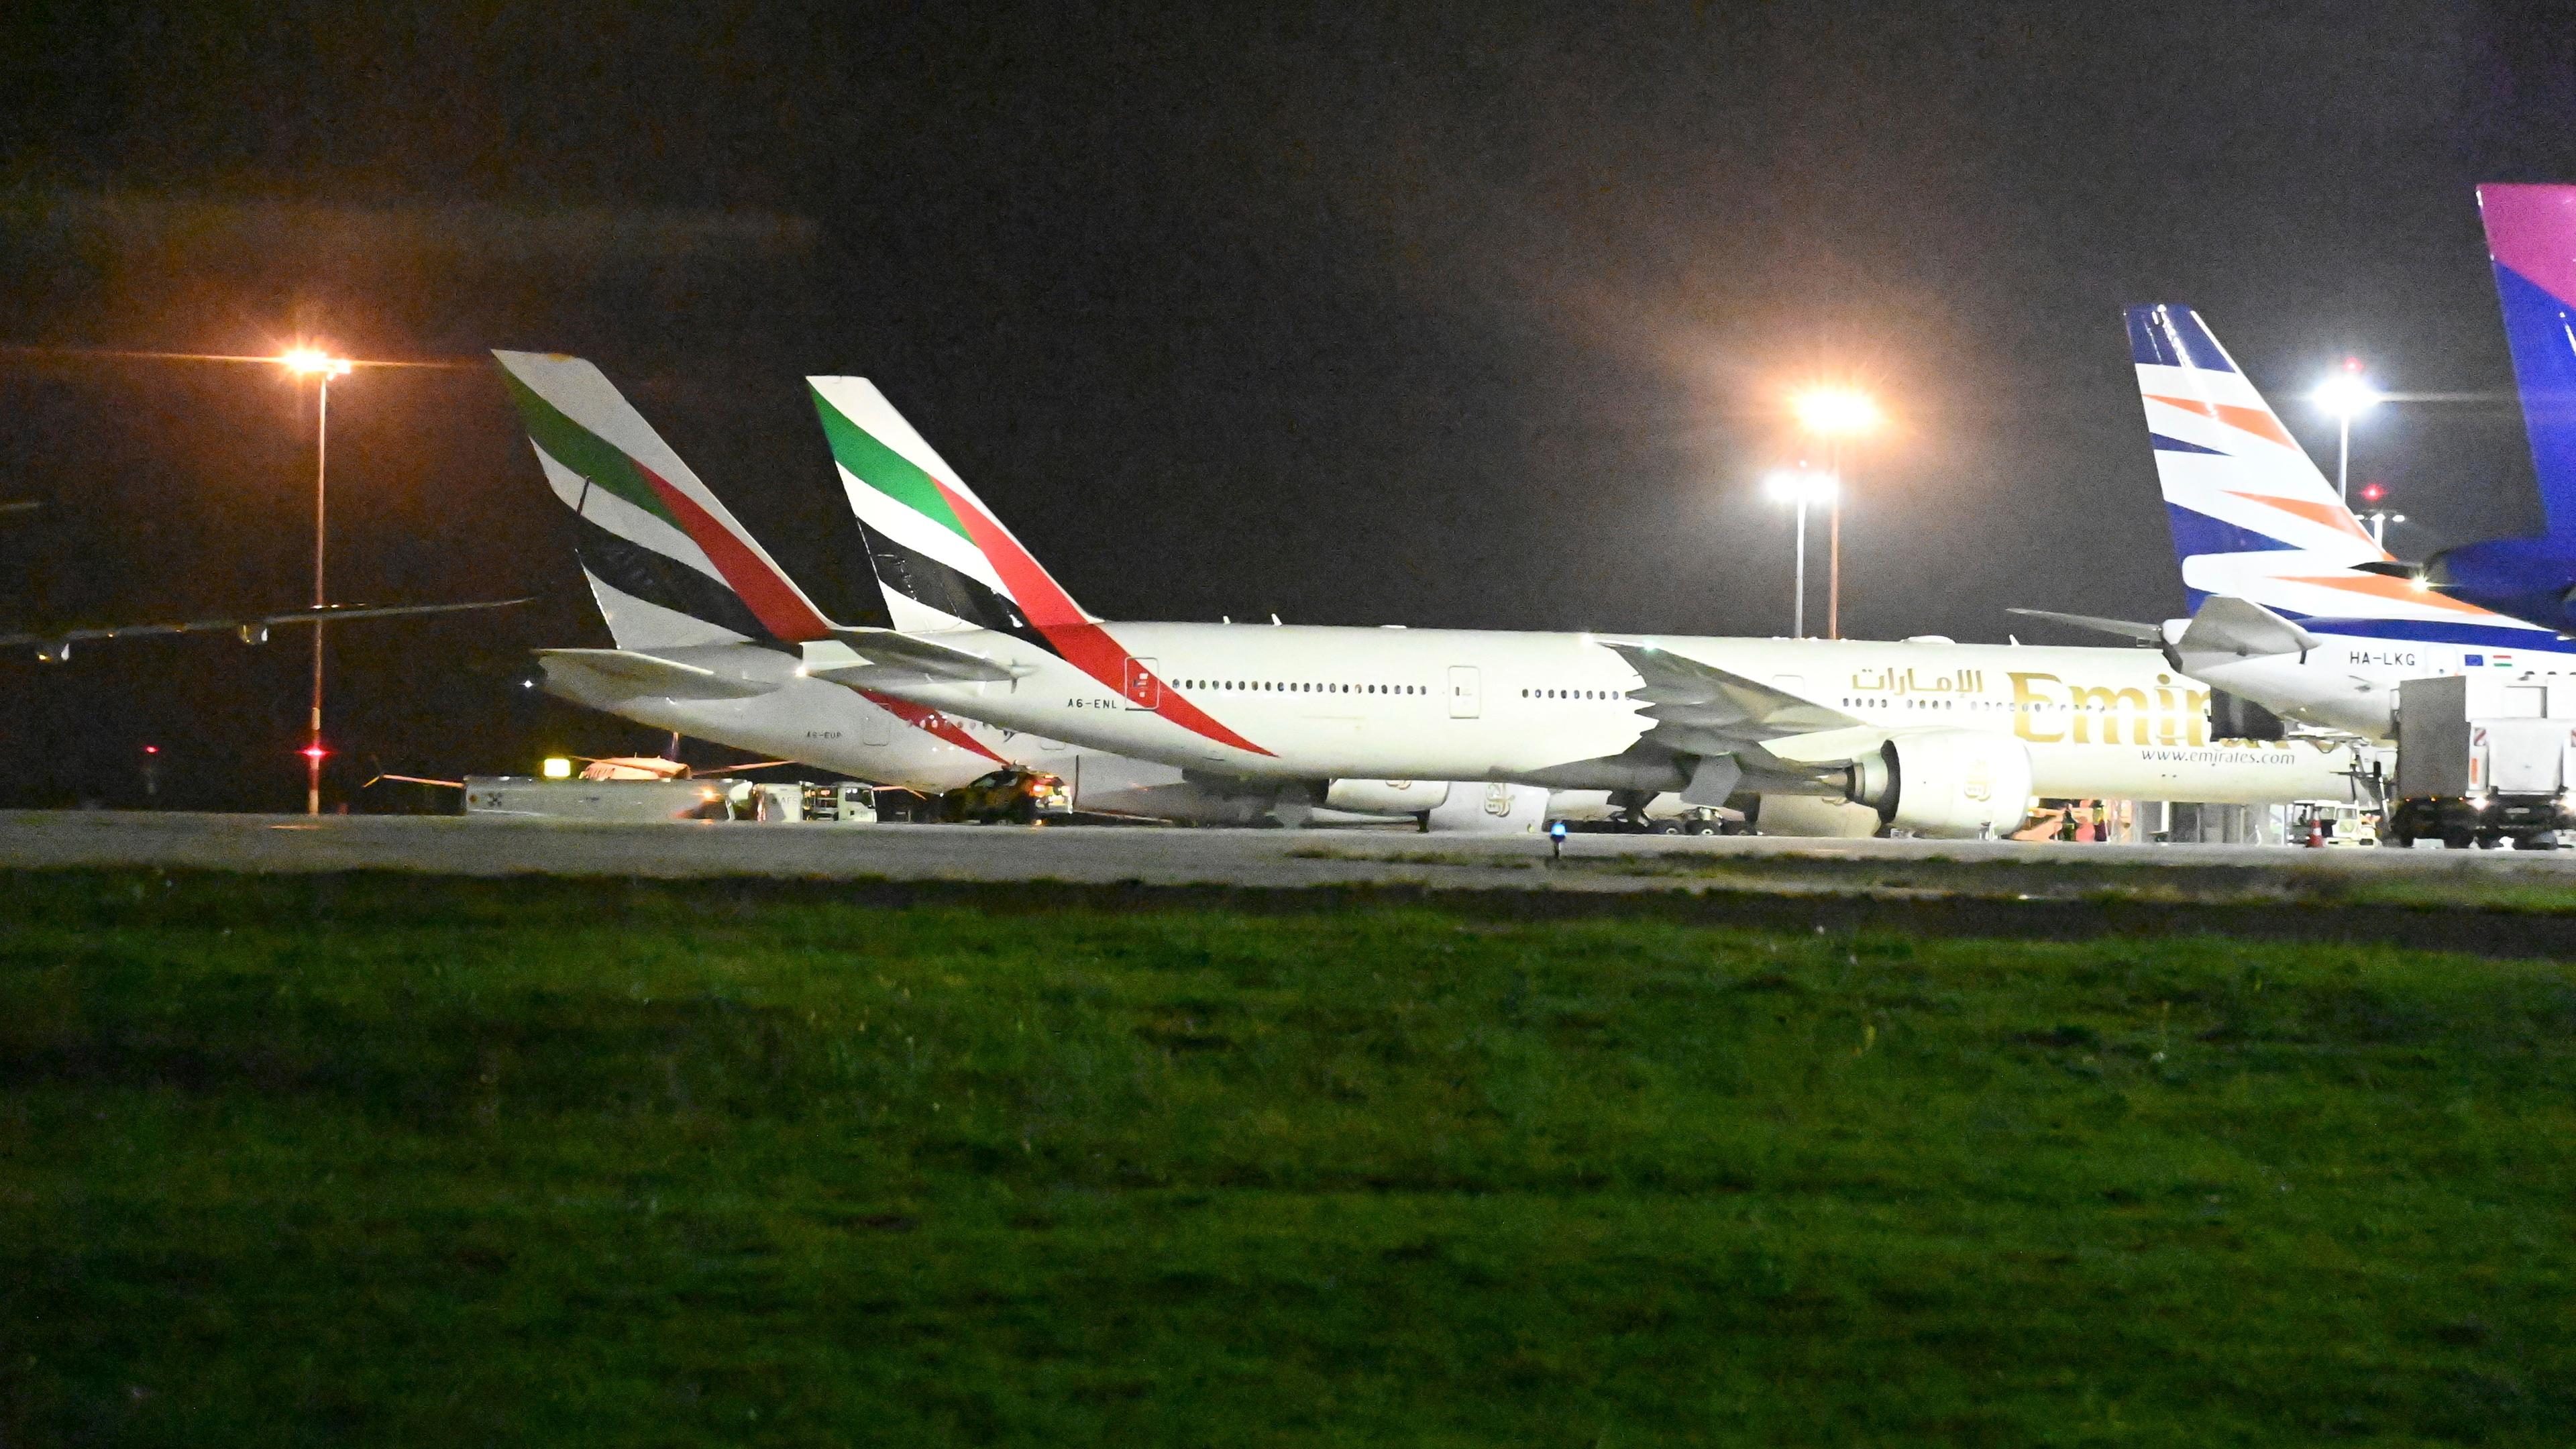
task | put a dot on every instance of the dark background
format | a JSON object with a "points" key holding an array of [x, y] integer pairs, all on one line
{"points": [[1444, 315]]}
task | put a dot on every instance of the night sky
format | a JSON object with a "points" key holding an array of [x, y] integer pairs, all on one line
{"points": [[1443, 315]]}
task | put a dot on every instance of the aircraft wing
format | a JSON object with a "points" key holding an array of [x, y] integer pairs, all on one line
{"points": [[328, 614], [2125, 628], [635, 674], [1745, 733], [863, 657], [1700, 709]]}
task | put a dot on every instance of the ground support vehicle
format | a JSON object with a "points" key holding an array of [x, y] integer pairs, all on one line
{"points": [[2484, 759], [1018, 797]]}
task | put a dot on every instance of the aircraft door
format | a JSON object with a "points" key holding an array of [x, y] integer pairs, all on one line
{"points": [[876, 723], [1466, 692], [1142, 689]]}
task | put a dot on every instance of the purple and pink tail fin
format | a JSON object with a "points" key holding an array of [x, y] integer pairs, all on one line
{"points": [[2531, 238]]}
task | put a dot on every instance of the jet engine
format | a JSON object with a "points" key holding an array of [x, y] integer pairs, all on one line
{"points": [[1952, 783], [1385, 797], [1814, 817], [1488, 809]]}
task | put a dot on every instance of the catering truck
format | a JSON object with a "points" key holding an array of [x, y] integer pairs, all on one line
{"points": [[2483, 758]]}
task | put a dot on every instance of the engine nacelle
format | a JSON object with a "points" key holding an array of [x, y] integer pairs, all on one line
{"points": [[1386, 797], [1491, 809], [1814, 817], [1958, 784]]}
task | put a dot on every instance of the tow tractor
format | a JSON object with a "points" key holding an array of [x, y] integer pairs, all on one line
{"points": [[1019, 797]]}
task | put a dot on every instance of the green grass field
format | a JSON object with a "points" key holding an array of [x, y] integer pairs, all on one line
{"points": [[2522, 884], [387, 1161]]}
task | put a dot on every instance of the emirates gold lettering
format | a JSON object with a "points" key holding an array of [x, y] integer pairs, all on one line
{"points": [[2029, 696]]}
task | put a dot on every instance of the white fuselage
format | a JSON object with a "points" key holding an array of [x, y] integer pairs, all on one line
{"points": [[2349, 682], [930, 752], [1554, 708]]}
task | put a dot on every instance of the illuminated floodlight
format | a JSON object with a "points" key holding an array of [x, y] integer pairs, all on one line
{"points": [[2346, 392], [557, 767], [1836, 412], [314, 362], [1799, 485]]}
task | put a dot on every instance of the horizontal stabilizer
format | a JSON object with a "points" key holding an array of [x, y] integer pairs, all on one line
{"points": [[2229, 628], [2124, 628], [870, 657], [637, 675]]}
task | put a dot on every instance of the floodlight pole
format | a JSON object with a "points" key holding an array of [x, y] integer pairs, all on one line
{"points": [[1834, 544], [321, 497], [1798, 599], [2343, 456]]}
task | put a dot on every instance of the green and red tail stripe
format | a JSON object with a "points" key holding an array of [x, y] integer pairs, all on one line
{"points": [[1071, 633], [779, 605], [938, 551], [577, 418]]}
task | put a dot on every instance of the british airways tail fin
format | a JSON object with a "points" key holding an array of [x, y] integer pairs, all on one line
{"points": [[2531, 239]]}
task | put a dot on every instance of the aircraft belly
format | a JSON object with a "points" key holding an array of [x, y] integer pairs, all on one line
{"points": [[816, 725]]}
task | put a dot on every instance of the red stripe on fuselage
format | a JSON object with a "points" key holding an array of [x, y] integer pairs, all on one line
{"points": [[922, 717], [772, 599], [1082, 643]]}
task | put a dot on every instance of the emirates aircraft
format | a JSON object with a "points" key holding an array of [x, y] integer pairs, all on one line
{"points": [[1938, 738], [2293, 605], [707, 629]]}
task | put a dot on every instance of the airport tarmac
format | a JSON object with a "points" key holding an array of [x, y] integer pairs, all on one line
{"points": [[458, 845], [2510, 904]]}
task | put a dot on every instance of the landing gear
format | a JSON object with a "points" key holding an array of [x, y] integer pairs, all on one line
{"points": [[1628, 811]]}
